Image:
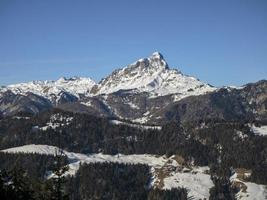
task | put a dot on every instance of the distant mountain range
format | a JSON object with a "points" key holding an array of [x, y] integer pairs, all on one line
{"points": [[147, 91]]}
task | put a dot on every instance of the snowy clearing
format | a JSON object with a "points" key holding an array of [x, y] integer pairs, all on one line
{"points": [[117, 122], [56, 121], [262, 131], [249, 191], [196, 179], [167, 172], [196, 184]]}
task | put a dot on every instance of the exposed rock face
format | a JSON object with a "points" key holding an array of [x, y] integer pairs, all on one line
{"points": [[248, 103], [256, 96], [11, 103]]}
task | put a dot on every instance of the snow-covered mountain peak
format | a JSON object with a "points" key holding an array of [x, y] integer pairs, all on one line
{"points": [[74, 80], [157, 55], [62, 80], [53, 90], [152, 75], [155, 62]]}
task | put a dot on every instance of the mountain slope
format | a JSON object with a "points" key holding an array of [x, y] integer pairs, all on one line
{"points": [[11, 103], [248, 103]]}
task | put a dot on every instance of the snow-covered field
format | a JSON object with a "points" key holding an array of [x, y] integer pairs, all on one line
{"points": [[196, 184], [140, 126], [252, 191], [196, 179], [167, 172], [262, 131]]}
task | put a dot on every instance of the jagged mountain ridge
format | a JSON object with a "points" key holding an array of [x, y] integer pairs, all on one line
{"points": [[230, 104], [154, 76], [54, 90], [147, 91], [149, 78], [150, 74]]}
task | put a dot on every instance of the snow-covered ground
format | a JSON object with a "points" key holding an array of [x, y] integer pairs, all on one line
{"points": [[196, 179], [262, 131], [151, 160], [140, 126], [56, 121], [250, 191], [32, 148], [167, 172]]}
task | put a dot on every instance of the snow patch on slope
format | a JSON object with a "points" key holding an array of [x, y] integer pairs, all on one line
{"points": [[56, 120], [133, 106], [251, 191], [32, 148], [261, 131], [140, 126]]}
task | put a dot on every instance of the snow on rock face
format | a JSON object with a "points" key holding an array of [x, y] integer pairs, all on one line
{"points": [[48, 89], [152, 75]]}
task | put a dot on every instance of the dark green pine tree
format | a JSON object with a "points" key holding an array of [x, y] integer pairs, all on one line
{"points": [[14, 185], [60, 169]]}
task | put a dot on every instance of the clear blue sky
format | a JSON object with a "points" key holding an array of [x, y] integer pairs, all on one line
{"points": [[220, 42]]}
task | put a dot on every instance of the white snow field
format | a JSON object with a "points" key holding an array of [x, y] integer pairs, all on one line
{"points": [[139, 126], [252, 191], [261, 131], [196, 180]]}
